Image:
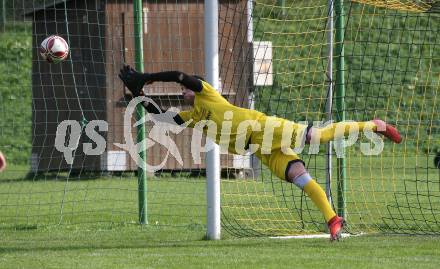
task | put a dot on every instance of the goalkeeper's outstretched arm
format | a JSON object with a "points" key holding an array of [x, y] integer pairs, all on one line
{"points": [[190, 82], [135, 82]]}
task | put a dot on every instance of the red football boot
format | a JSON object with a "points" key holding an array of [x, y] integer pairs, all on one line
{"points": [[335, 226], [388, 131]]}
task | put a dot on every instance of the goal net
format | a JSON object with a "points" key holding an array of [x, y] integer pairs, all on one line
{"points": [[389, 72], [274, 57]]}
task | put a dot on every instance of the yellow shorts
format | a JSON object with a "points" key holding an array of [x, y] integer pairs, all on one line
{"points": [[277, 160]]}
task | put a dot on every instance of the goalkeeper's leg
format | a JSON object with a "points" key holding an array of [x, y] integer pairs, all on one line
{"points": [[298, 175], [288, 166], [341, 129]]}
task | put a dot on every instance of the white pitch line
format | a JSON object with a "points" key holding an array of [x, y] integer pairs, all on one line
{"points": [[308, 236]]}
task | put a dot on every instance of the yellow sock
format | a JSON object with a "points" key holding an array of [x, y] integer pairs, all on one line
{"points": [[328, 133], [317, 194]]}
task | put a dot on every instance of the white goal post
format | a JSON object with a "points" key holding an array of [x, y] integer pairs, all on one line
{"points": [[213, 156]]}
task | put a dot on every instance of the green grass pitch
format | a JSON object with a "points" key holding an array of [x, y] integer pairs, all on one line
{"points": [[84, 238], [112, 246]]}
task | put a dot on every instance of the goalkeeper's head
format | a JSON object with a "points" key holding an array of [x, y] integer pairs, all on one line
{"points": [[189, 95]]}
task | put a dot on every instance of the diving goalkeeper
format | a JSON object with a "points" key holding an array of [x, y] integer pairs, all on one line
{"points": [[208, 104]]}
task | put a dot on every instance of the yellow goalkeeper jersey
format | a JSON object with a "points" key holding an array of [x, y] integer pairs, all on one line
{"points": [[234, 128], [221, 121]]}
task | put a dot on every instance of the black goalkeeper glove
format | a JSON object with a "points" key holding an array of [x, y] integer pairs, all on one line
{"points": [[134, 80]]}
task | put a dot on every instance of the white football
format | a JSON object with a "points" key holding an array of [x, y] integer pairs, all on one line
{"points": [[54, 49]]}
